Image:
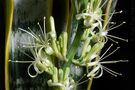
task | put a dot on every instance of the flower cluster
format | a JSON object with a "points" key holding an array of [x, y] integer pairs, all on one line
{"points": [[94, 39], [50, 51]]}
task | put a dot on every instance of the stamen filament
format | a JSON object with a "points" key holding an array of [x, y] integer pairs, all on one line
{"points": [[116, 61], [27, 55], [109, 54], [83, 82], [111, 71], [103, 4], [114, 13], [45, 35], [126, 40], [117, 26], [29, 33], [113, 40], [20, 61], [106, 51], [81, 78], [40, 27]]}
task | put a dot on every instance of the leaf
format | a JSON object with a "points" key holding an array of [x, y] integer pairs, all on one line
{"points": [[9, 17]]}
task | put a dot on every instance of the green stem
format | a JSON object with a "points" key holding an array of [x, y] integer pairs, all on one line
{"points": [[75, 45], [107, 13], [90, 84]]}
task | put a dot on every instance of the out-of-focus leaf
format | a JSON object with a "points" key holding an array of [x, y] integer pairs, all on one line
{"points": [[9, 16], [109, 8]]}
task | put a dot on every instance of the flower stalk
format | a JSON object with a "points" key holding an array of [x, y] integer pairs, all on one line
{"points": [[55, 53]]}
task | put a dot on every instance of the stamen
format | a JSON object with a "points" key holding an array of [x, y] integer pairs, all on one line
{"points": [[44, 29], [113, 40], [27, 55], [117, 26], [116, 61], [108, 20], [106, 51], [31, 46], [113, 23], [20, 61], [111, 71], [126, 40], [29, 33], [110, 53], [103, 4], [115, 12], [32, 32], [118, 12], [81, 78], [83, 81], [40, 27]]}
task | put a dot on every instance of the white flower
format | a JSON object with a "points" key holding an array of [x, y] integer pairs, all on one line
{"points": [[41, 40], [97, 65]]}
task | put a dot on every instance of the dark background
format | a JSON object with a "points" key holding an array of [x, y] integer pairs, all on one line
{"points": [[2, 41], [107, 82], [124, 82]]}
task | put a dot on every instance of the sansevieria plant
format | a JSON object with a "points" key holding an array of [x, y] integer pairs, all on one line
{"points": [[69, 51]]}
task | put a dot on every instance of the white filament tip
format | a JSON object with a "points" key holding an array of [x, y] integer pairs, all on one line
{"points": [[121, 11], [111, 45], [124, 21], [120, 74], [112, 22], [123, 60], [44, 18], [126, 40]]}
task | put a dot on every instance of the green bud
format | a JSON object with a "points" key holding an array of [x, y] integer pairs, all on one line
{"points": [[53, 31], [66, 74], [41, 67], [95, 49], [85, 34], [49, 82], [85, 47], [55, 75], [60, 75], [55, 48], [64, 40]]}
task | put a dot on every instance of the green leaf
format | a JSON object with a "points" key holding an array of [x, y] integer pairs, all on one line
{"points": [[75, 44]]}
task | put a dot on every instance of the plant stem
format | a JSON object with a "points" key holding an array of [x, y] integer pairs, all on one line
{"points": [[75, 45], [9, 18], [90, 84], [107, 12]]}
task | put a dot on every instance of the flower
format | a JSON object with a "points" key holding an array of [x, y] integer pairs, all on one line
{"points": [[41, 63], [41, 41], [90, 16], [98, 67]]}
